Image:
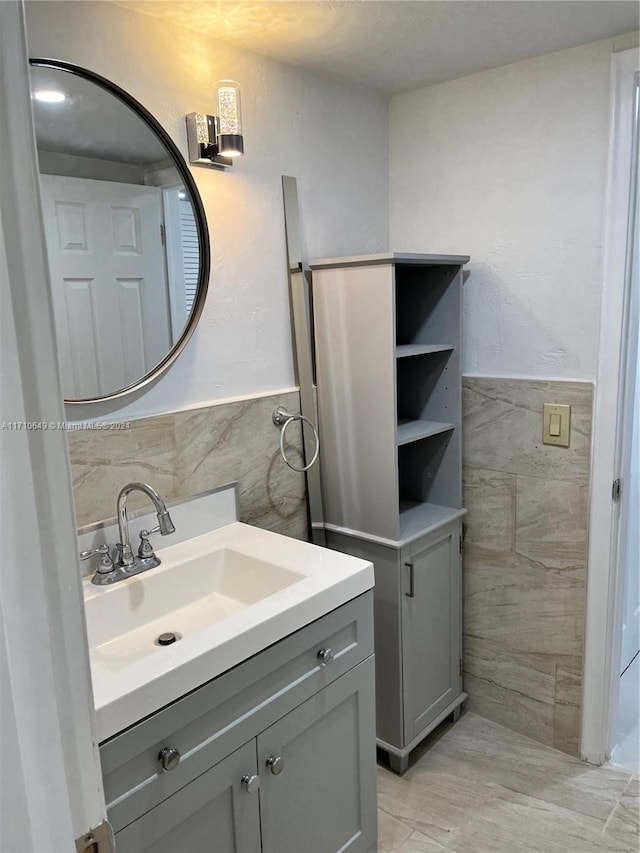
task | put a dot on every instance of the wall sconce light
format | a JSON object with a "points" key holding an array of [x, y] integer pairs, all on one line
{"points": [[216, 139]]}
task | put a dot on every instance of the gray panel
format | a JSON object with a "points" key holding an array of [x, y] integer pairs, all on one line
{"points": [[388, 635], [324, 800], [355, 349], [303, 347], [217, 718], [431, 628], [292, 221], [213, 814]]}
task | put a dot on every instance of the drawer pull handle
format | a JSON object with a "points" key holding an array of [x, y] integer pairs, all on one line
{"points": [[251, 782], [169, 758], [275, 763], [325, 656]]}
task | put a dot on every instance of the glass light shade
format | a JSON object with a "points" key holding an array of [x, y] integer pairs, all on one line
{"points": [[229, 110]]}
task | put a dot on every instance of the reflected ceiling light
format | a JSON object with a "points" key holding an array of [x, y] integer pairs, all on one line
{"points": [[217, 139], [49, 96]]}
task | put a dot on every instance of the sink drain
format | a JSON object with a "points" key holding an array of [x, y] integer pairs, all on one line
{"points": [[168, 638]]}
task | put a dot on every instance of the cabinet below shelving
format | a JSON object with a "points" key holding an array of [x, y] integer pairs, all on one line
{"points": [[418, 632]]}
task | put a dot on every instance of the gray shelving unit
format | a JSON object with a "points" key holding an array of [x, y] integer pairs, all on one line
{"points": [[388, 360]]}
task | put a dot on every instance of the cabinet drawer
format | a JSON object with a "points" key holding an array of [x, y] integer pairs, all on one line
{"points": [[213, 720]]}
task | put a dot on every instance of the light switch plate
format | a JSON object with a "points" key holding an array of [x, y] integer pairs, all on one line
{"points": [[556, 419]]}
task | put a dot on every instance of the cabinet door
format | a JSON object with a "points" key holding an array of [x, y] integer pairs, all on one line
{"points": [[431, 625], [324, 797], [212, 814]]}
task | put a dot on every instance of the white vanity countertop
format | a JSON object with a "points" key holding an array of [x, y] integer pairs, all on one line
{"points": [[133, 677]]}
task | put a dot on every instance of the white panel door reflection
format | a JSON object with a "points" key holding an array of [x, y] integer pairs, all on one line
{"points": [[108, 280]]}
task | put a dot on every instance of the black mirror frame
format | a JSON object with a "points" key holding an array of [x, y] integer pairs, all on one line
{"points": [[201, 220]]}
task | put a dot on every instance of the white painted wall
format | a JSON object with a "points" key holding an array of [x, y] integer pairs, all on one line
{"points": [[509, 166], [331, 137]]}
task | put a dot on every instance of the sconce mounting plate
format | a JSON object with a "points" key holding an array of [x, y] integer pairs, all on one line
{"points": [[202, 133]]}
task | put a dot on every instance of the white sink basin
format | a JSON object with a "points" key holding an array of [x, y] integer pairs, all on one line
{"points": [[226, 595], [182, 598]]}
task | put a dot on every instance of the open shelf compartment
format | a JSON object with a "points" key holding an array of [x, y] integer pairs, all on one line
{"points": [[428, 390], [428, 475], [427, 305]]}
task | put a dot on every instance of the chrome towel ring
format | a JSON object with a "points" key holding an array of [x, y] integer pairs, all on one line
{"points": [[282, 418]]}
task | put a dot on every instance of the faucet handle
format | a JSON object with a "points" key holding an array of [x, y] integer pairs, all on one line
{"points": [[106, 563], [101, 549], [145, 548]]}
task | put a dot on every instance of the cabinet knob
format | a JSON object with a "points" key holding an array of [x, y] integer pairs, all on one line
{"points": [[169, 758], [251, 782], [325, 656], [275, 763]]}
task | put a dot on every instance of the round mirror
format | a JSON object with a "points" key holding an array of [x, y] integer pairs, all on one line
{"points": [[125, 230]]}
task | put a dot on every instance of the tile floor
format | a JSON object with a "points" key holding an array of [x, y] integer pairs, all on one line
{"points": [[477, 787], [626, 752]]}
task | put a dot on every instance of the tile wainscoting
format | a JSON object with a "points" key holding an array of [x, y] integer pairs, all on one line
{"points": [[526, 530], [525, 557], [189, 452]]}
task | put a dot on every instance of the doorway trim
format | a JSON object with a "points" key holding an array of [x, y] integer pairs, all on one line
{"points": [[56, 784], [604, 574]]}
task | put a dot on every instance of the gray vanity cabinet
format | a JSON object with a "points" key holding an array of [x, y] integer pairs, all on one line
{"points": [[308, 701], [388, 363], [213, 813]]}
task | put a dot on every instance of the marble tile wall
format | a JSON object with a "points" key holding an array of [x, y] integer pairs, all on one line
{"points": [[525, 557], [189, 452]]}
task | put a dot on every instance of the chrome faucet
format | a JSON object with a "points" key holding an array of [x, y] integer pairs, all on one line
{"points": [[125, 564], [145, 559]]}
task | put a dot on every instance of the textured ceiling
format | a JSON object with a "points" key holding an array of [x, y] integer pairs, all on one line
{"points": [[399, 45]]}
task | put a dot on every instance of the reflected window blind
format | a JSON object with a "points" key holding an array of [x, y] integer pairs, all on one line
{"points": [[190, 253]]}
